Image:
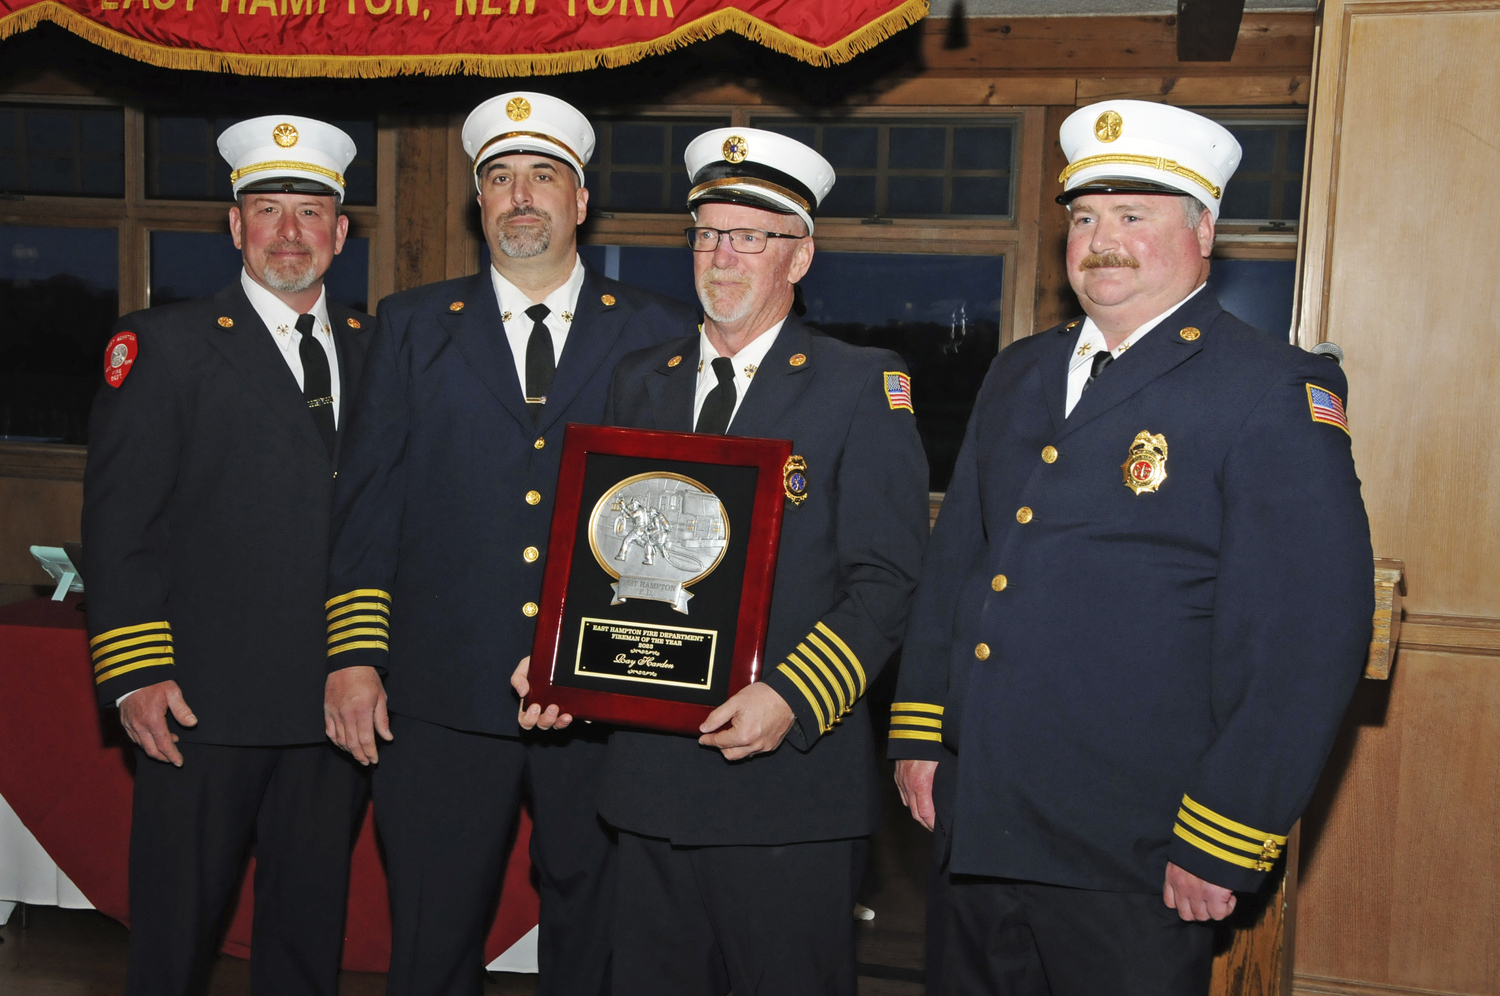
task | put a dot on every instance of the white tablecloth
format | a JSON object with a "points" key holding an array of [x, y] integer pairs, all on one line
{"points": [[27, 874]]}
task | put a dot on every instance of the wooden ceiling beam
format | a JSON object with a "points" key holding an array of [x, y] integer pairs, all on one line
{"points": [[1208, 29]]}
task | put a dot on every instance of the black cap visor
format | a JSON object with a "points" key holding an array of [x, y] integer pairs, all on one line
{"points": [[1118, 185], [289, 185]]}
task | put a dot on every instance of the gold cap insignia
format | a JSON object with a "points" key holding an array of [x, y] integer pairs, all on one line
{"points": [[285, 135], [608, 300], [1189, 334], [674, 361], [736, 149], [518, 109], [797, 359], [226, 322], [794, 478], [1107, 126], [1145, 466], [353, 323], [456, 306]]}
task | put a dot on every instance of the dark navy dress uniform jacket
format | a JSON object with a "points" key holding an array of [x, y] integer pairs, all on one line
{"points": [[446, 487], [847, 565], [1162, 674], [205, 521]]}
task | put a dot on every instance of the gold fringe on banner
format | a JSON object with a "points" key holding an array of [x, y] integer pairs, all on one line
{"points": [[472, 64]]}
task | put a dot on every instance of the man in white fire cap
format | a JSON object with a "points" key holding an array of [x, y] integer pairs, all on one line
{"points": [[441, 519], [210, 473], [1126, 677]]}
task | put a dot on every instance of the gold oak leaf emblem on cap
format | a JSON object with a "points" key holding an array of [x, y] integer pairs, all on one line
{"points": [[518, 109], [674, 361], [1107, 126], [736, 149], [285, 135], [1189, 334], [226, 322]]}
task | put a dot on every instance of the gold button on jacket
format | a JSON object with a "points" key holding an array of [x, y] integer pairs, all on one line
{"points": [[530, 609], [982, 651], [1023, 515], [533, 497], [541, 441], [998, 582], [1049, 454], [530, 554]]}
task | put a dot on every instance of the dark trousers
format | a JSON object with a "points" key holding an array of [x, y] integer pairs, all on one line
{"points": [[1008, 938], [190, 836], [761, 921], [446, 803]]}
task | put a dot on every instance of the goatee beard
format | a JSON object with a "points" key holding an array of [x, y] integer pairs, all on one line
{"points": [[528, 241], [291, 276], [708, 295]]}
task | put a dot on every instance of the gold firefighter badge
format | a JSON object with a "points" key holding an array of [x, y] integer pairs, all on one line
{"points": [[794, 478], [1146, 465]]}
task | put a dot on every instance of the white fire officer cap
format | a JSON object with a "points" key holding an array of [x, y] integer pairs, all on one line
{"points": [[758, 168], [522, 121], [283, 153]]}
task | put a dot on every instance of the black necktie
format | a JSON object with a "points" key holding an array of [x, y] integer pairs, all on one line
{"points": [[718, 407], [541, 364], [1101, 360], [317, 383]]}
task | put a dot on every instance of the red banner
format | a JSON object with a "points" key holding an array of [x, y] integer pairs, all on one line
{"points": [[481, 37]]}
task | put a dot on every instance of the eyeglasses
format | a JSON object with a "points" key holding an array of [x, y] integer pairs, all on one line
{"points": [[746, 240]]}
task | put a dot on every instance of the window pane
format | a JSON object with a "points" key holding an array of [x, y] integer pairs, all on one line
{"points": [[637, 145], [59, 293], [62, 151], [186, 265], [1258, 149], [851, 148], [1257, 292], [637, 192], [1267, 186], [915, 178], [1248, 199], [1296, 141], [917, 148], [941, 313], [981, 148], [636, 169], [915, 195]]}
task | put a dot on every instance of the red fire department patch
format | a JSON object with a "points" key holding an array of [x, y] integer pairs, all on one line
{"points": [[118, 357]]}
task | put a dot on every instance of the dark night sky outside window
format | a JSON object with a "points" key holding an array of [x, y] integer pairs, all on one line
{"points": [[637, 163], [187, 265], [59, 294], [1267, 186], [911, 168], [62, 150]]}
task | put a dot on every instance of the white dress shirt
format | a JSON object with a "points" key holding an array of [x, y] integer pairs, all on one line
{"points": [[746, 362], [513, 302], [282, 321], [1091, 341]]}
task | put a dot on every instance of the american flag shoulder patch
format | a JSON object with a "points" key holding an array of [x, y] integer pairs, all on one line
{"points": [[1326, 407], [898, 390]]}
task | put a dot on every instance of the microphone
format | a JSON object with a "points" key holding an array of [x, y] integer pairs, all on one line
{"points": [[1330, 350]]}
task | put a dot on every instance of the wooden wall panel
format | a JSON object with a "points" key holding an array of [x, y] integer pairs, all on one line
{"points": [[1400, 849], [41, 502]]}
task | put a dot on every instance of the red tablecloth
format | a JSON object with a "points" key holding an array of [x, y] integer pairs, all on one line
{"points": [[64, 769]]}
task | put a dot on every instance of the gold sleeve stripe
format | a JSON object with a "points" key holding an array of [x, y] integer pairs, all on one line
{"points": [[348, 621], [359, 607], [363, 631], [160, 636], [357, 593], [359, 645], [1228, 824], [100, 679], [1219, 852], [936, 724], [848, 654], [816, 683], [1183, 816], [916, 735], [151, 650], [936, 710], [839, 689], [855, 688], [823, 726], [127, 630]]}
